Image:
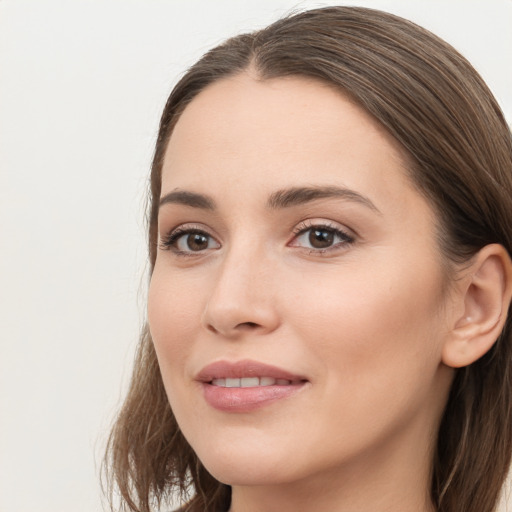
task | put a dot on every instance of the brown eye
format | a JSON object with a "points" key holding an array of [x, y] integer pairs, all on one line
{"points": [[183, 241], [196, 241], [321, 238]]}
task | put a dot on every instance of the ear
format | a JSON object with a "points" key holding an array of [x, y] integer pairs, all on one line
{"points": [[485, 296]]}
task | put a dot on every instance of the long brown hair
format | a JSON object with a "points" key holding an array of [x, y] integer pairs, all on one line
{"points": [[435, 104]]}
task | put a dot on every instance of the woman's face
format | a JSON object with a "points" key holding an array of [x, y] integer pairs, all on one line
{"points": [[297, 305]]}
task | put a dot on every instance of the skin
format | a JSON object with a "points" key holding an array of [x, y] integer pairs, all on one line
{"points": [[365, 321]]}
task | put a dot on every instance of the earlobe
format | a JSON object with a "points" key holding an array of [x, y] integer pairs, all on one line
{"points": [[486, 296]]}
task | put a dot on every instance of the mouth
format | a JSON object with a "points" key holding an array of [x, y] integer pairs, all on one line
{"points": [[244, 386], [251, 382]]}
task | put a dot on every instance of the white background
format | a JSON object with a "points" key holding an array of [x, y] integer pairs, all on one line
{"points": [[82, 84]]}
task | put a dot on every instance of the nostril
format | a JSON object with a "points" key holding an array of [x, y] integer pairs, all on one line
{"points": [[247, 325], [212, 329], [239, 328]]}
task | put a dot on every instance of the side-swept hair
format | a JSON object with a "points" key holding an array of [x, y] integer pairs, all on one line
{"points": [[430, 99]]}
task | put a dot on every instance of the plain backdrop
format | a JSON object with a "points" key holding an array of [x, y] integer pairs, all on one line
{"points": [[82, 84]]}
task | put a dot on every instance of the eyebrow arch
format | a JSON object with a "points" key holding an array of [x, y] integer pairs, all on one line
{"points": [[300, 195], [284, 198], [188, 199]]}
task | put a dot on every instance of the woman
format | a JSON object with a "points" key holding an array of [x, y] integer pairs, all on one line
{"points": [[329, 233]]}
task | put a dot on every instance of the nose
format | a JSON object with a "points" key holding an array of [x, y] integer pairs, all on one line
{"points": [[242, 300]]}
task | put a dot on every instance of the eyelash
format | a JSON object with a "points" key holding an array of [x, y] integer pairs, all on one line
{"points": [[169, 241], [305, 226]]}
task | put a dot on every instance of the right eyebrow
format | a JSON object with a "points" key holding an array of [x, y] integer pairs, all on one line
{"points": [[188, 199]]}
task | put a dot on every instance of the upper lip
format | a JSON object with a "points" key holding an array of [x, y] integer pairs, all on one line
{"points": [[244, 368]]}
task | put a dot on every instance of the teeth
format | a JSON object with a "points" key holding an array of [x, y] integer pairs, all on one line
{"points": [[250, 382], [232, 383]]}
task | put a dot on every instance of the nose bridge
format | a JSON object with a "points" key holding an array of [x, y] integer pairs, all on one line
{"points": [[242, 296]]}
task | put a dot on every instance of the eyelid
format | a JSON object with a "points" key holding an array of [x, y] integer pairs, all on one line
{"points": [[167, 240], [348, 235]]}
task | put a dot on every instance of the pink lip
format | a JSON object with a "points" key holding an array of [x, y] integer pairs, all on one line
{"points": [[246, 399], [244, 368]]}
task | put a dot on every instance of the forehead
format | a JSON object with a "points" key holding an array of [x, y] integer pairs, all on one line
{"points": [[268, 134]]}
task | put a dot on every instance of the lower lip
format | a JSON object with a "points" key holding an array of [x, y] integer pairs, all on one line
{"points": [[246, 399]]}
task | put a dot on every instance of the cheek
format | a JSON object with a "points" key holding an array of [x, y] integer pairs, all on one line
{"points": [[173, 317], [379, 327], [374, 343]]}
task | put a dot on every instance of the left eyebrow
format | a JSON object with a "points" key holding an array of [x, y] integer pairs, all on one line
{"points": [[295, 196]]}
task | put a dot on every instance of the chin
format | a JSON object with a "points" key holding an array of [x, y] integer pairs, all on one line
{"points": [[247, 466], [250, 474]]}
